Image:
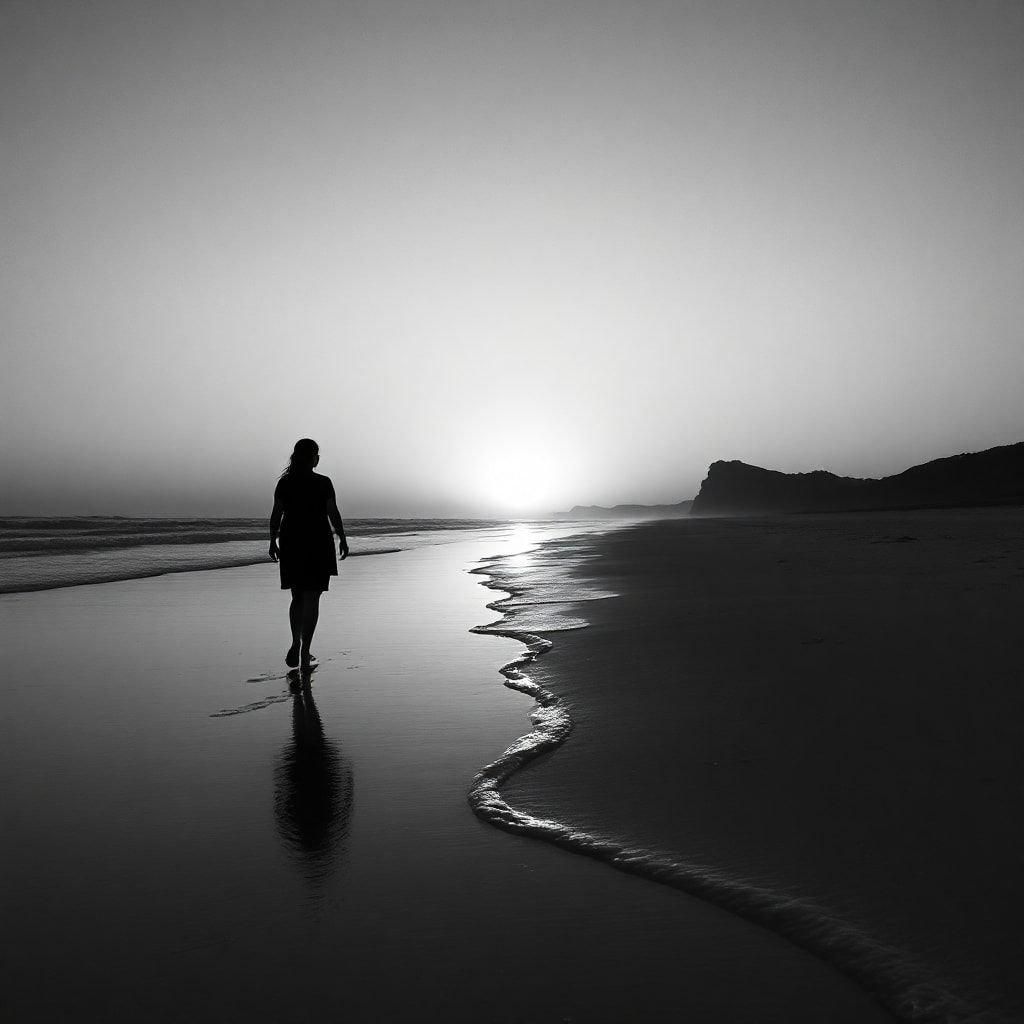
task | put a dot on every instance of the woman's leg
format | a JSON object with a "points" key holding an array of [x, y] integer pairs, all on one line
{"points": [[295, 616], [291, 659], [310, 615]]}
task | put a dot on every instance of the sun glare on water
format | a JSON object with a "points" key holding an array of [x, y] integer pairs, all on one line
{"points": [[519, 544]]}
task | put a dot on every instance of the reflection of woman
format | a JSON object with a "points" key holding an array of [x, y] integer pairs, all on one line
{"points": [[312, 791], [305, 509]]}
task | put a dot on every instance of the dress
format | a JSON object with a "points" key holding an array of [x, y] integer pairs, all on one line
{"points": [[306, 542]]}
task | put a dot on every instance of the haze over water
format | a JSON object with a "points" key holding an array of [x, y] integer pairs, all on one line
{"points": [[505, 257]]}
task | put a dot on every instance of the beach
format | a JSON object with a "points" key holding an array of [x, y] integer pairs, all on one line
{"points": [[587, 350], [815, 721], [189, 837]]}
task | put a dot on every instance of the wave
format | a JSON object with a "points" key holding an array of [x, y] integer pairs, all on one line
{"points": [[25, 535], [78, 568], [49, 553], [907, 987]]}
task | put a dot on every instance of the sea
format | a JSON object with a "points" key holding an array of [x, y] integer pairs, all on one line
{"points": [[41, 553]]}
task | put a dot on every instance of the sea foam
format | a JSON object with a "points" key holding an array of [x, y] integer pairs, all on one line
{"points": [[552, 601], [40, 553]]}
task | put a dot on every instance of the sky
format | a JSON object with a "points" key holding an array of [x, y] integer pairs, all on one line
{"points": [[501, 257]]}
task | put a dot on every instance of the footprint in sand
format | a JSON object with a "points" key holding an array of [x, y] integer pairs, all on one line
{"points": [[254, 706]]}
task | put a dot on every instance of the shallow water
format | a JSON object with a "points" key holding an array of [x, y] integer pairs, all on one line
{"points": [[39, 553], [315, 854]]}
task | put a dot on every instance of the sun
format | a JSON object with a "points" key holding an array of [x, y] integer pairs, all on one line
{"points": [[515, 481]]}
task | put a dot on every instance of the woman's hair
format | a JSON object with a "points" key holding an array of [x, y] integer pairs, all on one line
{"points": [[303, 456]]}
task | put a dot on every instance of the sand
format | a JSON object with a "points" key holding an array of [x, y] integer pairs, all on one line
{"points": [[829, 707], [314, 857]]}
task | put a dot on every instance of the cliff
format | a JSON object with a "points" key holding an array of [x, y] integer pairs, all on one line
{"points": [[992, 477]]}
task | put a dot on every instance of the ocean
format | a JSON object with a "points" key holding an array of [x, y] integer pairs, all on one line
{"points": [[41, 553]]}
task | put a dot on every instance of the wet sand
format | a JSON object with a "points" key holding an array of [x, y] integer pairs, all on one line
{"points": [[828, 707], [315, 856]]}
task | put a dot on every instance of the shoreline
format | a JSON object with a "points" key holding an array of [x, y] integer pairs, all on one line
{"points": [[906, 985], [551, 722], [171, 571], [327, 832], [75, 551]]}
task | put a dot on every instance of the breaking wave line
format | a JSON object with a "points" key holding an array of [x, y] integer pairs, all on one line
{"points": [[906, 987]]}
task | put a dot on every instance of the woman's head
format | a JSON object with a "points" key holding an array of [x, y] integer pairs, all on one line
{"points": [[305, 456]]}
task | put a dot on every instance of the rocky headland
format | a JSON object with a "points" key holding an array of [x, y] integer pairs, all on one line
{"points": [[992, 477]]}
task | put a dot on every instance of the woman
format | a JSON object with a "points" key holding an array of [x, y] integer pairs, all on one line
{"points": [[305, 509]]}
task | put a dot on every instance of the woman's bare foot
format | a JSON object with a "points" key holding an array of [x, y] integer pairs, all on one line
{"points": [[291, 659]]}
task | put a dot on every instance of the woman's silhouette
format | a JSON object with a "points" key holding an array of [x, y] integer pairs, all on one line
{"points": [[305, 509]]}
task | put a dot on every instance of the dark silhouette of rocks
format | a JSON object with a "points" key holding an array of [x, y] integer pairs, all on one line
{"points": [[681, 508], [992, 477]]}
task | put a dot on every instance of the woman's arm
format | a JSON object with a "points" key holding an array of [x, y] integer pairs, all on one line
{"points": [[339, 527], [275, 527]]}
